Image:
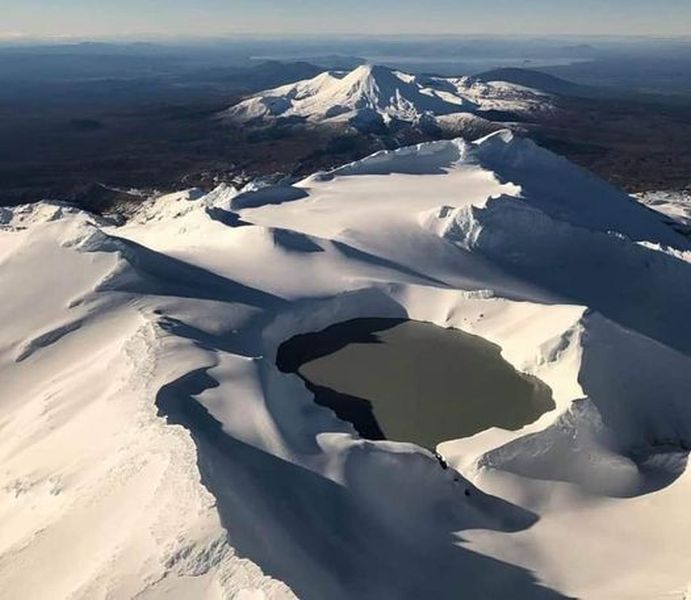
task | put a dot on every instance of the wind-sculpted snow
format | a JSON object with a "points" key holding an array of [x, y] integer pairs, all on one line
{"points": [[146, 427], [373, 98]]}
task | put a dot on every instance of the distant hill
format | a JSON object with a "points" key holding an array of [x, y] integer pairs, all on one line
{"points": [[336, 61], [536, 80], [272, 73], [268, 74]]}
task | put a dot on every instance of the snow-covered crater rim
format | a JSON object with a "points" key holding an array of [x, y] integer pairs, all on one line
{"points": [[541, 337]]}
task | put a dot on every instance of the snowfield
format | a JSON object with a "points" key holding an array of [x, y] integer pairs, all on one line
{"points": [[150, 447], [373, 97]]}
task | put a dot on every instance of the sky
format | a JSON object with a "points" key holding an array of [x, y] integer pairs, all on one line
{"points": [[201, 18]]}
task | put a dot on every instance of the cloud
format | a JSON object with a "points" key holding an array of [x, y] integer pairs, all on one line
{"points": [[13, 35], [21, 36]]}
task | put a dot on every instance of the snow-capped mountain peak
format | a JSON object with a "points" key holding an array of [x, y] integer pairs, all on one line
{"points": [[388, 92], [373, 95]]}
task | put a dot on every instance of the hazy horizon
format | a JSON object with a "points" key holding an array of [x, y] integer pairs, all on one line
{"points": [[179, 37], [82, 19]]}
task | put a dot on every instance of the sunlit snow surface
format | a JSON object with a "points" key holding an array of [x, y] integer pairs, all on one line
{"points": [[150, 447], [676, 205]]}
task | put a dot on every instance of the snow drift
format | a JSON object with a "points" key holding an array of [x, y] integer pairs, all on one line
{"points": [[151, 448]]}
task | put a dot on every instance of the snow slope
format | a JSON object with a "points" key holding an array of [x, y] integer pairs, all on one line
{"points": [[150, 448], [373, 96]]}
